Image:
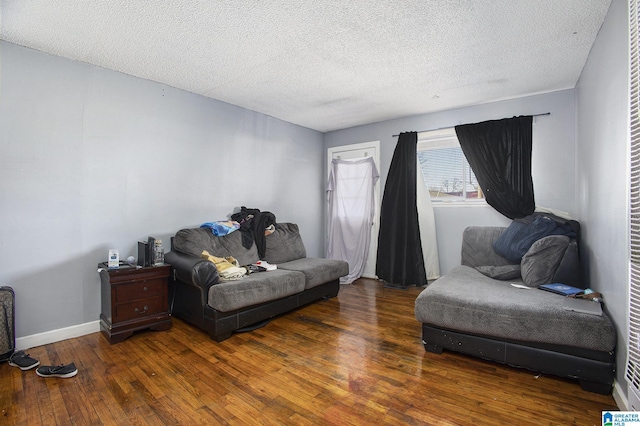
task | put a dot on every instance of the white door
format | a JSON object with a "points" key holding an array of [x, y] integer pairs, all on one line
{"points": [[357, 151]]}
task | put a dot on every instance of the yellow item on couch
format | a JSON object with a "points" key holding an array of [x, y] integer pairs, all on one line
{"points": [[228, 267]]}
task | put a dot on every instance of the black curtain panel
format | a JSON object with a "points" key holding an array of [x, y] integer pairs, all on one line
{"points": [[499, 153], [399, 261]]}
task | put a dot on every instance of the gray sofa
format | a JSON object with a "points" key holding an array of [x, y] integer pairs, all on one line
{"points": [[475, 309], [221, 308]]}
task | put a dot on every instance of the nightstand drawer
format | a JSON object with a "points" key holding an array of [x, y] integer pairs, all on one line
{"points": [[139, 290], [139, 309]]}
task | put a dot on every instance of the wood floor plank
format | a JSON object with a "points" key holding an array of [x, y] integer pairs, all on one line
{"points": [[354, 359], [12, 395]]}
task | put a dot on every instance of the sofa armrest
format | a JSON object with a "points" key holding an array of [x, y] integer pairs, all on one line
{"points": [[193, 270]]}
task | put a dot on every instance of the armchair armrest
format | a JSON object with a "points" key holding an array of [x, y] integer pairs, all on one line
{"points": [[193, 270]]}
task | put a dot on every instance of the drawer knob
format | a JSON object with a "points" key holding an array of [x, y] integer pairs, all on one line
{"points": [[145, 288], [138, 311]]}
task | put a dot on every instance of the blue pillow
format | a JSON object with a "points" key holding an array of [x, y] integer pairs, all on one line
{"points": [[516, 240]]}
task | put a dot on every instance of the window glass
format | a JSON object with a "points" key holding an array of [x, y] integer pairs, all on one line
{"points": [[445, 169]]}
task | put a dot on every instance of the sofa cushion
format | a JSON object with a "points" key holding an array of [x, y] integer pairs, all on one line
{"points": [[504, 272], [467, 301], [516, 240], [317, 271], [256, 288], [284, 244], [194, 241], [541, 262]]}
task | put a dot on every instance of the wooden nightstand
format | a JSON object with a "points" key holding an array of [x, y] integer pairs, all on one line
{"points": [[134, 299]]}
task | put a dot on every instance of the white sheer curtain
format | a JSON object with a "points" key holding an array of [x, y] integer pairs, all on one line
{"points": [[427, 222], [351, 208]]}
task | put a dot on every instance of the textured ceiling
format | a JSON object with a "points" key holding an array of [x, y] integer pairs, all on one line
{"points": [[323, 64]]}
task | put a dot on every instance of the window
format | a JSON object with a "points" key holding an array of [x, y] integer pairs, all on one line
{"points": [[445, 169], [633, 348]]}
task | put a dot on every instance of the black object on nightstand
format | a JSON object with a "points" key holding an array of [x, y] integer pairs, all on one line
{"points": [[133, 298]]}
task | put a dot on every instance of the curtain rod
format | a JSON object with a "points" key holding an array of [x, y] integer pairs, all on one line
{"points": [[448, 127]]}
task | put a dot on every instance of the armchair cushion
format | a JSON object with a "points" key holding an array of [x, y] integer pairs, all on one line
{"points": [[505, 272], [477, 247], [540, 263]]}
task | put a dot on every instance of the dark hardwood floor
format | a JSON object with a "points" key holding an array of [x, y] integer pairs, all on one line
{"points": [[356, 359]]}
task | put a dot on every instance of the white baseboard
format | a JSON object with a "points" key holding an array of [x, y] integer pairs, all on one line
{"points": [[618, 396], [371, 277], [58, 335]]}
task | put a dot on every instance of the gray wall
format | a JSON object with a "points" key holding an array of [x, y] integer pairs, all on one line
{"points": [[93, 159], [602, 178], [553, 163]]}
